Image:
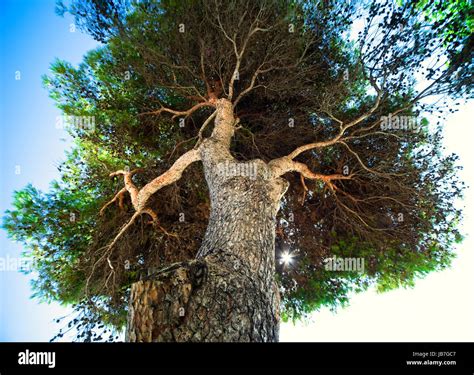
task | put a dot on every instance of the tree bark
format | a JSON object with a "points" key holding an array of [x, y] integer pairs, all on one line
{"points": [[228, 293]]}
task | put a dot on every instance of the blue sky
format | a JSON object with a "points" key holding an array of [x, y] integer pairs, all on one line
{"points": [[440, 308], [31, 37]]}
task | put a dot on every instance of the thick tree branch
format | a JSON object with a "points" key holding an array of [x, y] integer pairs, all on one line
{"points": [[140, 197], [129, 185], [284, 165], [170, 176]]}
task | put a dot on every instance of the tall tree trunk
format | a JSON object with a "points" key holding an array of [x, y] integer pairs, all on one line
{"points": [[228, 293]]}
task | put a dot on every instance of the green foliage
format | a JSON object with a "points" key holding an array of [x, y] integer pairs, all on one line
{"points": [[56, 229]]}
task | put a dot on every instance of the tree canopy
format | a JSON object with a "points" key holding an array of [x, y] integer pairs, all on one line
{"points": [[304, 85]]}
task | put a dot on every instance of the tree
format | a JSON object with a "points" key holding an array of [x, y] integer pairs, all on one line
{"points": [[226, 151]]}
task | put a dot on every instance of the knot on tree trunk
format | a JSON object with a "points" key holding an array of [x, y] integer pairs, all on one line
{"points": [[202, 300], [158, 304]]}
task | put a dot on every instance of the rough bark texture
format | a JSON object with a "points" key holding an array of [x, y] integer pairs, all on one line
{"points": [[228, 293]]}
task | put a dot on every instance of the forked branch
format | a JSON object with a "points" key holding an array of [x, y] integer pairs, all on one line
{"points": [[140, 197]]}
